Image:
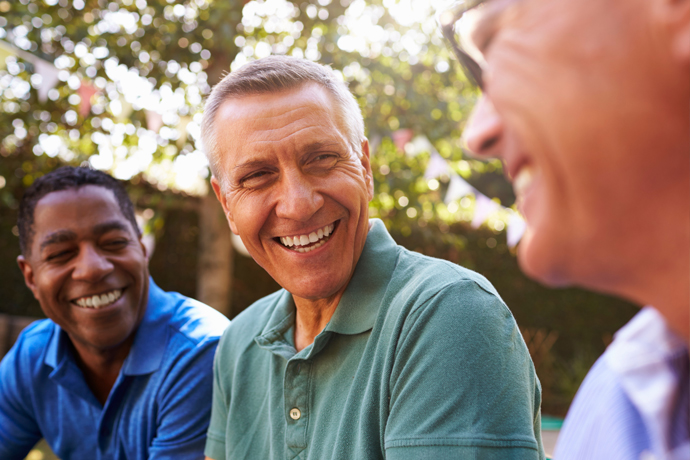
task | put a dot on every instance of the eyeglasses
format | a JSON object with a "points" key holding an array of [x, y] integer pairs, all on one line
{"points": [[448, 19]]}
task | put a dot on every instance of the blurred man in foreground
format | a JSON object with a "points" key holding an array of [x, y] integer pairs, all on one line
{"points": [[121, 369], [587, 103], [370, 351]]}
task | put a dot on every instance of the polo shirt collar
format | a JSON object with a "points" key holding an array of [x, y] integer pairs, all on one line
{"points": [[151, 337], [148, 347], [359, 306], [361, 301]]}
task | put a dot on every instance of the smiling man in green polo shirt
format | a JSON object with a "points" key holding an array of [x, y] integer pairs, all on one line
{"points": [[369, 350]]}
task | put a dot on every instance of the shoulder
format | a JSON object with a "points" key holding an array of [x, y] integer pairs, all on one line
{"points": [[250, 323], [193, 320], [33, 340], [436, 273], [25, 359], [446, 288]]}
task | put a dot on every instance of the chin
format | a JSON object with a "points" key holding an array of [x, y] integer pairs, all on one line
{"points": [[542, 262]]}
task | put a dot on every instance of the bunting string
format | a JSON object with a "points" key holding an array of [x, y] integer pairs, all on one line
{"points": [[459, 188]]}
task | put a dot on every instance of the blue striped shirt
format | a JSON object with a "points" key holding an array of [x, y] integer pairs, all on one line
{"points": [[635, 401]]}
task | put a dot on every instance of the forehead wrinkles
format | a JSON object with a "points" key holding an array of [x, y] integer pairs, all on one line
{"points": [[261, 129]]}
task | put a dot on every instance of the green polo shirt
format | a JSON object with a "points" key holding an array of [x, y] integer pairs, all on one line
{"points": [[421, 360]]}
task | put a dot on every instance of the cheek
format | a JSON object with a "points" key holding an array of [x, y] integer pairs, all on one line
{"points": [[249, 214]]}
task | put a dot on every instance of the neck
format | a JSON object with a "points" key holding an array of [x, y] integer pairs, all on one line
{"points": [[658, 262], [312, 318], [101, 367], [669, 293]]}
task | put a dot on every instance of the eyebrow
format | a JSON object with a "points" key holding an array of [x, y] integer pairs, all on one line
{"points": [[318, 145], [309, 148], [63, 236], [106, 227]]}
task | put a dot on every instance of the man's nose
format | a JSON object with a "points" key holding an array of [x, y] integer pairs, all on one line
{"points": [[483, 134], [298, 200], [91, 265]]}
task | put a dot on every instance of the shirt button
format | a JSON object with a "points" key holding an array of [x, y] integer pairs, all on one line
{"points": [[295, 413]]}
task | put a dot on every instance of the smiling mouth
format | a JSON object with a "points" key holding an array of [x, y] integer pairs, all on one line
{"points": [[523, 180], [99, 300], [308, 242]]}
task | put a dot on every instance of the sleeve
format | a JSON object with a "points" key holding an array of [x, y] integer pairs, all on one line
{"points": [[215, 441], [185, 405], [463, 384], [19, 431]]}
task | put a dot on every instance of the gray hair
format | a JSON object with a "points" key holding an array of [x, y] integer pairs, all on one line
{"points": [[276, 74]]}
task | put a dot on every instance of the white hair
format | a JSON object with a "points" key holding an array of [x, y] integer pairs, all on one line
{"points": [[276, 74]]}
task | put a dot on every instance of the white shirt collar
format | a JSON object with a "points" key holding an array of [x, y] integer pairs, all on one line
{"points": [[641, 356]]}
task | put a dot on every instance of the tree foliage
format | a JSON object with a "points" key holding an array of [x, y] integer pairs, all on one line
{"points": [[133, 75]]}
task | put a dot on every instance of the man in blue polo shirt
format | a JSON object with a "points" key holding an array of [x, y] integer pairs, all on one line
{"points": [[370, 351], [121, 369]]}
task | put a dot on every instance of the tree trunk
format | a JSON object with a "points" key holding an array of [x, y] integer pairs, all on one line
{"points": [[215, 264]]}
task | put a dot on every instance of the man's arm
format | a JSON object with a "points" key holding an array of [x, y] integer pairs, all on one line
{"points": [[185, 406], [215, 442], [463, 385], [19, 431]]}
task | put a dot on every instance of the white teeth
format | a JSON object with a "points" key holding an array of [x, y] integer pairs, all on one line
{"points": [[523, 179], [99, 301], [303, 240]]}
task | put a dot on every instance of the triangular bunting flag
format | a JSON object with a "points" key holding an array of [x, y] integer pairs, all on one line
{"points": [[422, 144], [483, 207], [154, 121], [516, 228], [401, 137], [457, 188], [86, 91], [49, 76], [436, 167]]}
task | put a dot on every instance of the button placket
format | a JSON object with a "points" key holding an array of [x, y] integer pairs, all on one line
{"points": [[296, 391]]}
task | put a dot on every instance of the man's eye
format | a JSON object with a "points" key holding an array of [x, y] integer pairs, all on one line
{"points": [[59, 255], [256, 179], [116, 244], [323, 160]]}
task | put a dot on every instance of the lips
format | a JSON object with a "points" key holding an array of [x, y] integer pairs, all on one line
{"points": [[310, 241], [98, 301]]}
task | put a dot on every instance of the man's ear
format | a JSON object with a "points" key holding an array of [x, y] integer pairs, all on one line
{"points": [[218, 190], [28, 273], [674, 15], [366, 162]]}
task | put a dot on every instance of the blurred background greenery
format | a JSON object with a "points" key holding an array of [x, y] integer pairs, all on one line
{"points": [[119, 85]]}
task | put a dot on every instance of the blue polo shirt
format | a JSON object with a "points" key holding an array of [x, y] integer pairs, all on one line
{"points": [[159, 407], [421, 360]]}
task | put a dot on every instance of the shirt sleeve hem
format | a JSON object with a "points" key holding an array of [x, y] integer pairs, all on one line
{"points": [[468, 452], [214, 449], [528, 443]]}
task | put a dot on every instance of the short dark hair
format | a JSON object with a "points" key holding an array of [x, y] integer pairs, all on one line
{"points": [[64, 178]]}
